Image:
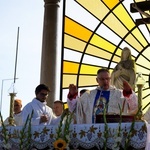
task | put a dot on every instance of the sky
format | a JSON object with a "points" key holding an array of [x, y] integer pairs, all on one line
{"points": [[28, 16]]}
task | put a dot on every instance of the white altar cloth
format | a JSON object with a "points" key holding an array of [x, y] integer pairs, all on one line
{"points": [[148, 137], [91, 135], [83, 135]]}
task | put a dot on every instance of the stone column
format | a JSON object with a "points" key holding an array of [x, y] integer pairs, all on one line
{"points": [[49, 47]]}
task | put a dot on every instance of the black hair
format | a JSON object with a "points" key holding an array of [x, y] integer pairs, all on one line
{"points": [[83, 90], [41, 87]]}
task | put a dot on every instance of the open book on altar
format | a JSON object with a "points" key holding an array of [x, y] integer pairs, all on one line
{"points": [[112, 118]]}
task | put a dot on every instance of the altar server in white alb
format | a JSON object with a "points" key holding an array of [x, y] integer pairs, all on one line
{"points": [[17, 113], [42, 114], [93, 102]]}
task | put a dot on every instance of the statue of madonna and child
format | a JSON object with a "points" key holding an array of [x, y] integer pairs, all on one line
{"points": [[124, 70]]}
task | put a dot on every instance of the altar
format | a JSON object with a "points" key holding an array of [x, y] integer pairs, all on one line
{"points": [[83, 136]]}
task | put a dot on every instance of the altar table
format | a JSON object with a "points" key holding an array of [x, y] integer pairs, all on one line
{"points": [[86, 136]]}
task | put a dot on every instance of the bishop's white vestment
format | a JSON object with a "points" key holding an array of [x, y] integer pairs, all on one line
{"points": [[88, 104]]}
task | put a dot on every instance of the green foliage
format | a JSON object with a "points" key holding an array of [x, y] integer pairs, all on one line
{"points": [[63, 130], [129, 135], [118, 137], [24, 136], [4, 131], [105, 129]]}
